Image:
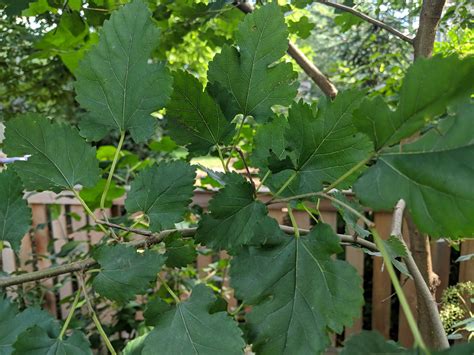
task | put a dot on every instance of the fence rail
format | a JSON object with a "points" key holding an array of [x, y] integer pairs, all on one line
{"points": [[381, 311]]}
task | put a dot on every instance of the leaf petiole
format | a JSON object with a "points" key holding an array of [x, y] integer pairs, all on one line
{"points": [[70, 314]]}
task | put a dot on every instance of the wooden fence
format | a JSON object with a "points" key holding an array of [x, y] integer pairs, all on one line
{"points": [[381, 311]]}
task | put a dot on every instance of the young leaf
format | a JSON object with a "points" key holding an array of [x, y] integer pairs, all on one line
{"points": [[125, 272], [297, 292], [60, 158], [13, 323], [442, 205], [179, 252], [189, 328], [163, 193], [234, 214], [115, 81], [36, 340], [429, 86], [195, 119], [15, 215], [323, 145], [252, 86]]}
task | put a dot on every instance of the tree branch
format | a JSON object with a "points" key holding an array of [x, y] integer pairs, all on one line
{"points": [[326, 86], [367, 18], [431, 11], [152, 238], [435, 325]]}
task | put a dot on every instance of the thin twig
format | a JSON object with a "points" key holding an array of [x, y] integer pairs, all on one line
{"points": [[422, 289], [326, 86], [369, 19], [152, 238], [241, 153]]}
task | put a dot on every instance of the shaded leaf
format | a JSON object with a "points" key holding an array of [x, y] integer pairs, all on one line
{"points": [[115, 81], [252, 86], [297, 291], [442, 205], [179, 252], [234, 214], [195, 119], [163, 192], [37, 341], [13, 323], [370, 342], [60, 158], [323, 145], [189, 328], [351, 220], [125, 272], [302, 28], [15, 215], [422, 98]]}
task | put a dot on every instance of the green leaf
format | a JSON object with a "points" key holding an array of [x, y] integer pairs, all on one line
{"points": [[442, 205], [135, 347], [302, 28], [252, 86], [15, 7], [189, 328], [60, 158], [323, 145], [154, 309], [179, 252], [13, 323], [195, 119], [115, 81], [298, 292], [269, 142], [429, 86], [234, 214], [125, 272], [15, 215], [163, 192], [92, 195], [370, 342], [37, 341]]}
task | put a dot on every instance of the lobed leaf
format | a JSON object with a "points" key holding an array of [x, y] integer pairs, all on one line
{"points": [[163, 192], [15, 215], [429, 86], [190, 328], [60, 158], [322, 145], [442, 205], [195, 119], [116, 82], [234, 215], [125, 272], [253, 87], [297, 291]]}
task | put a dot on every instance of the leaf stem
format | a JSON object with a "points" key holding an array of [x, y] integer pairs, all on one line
{"points": [[293, 221], [348, 173], [89, 211], [221, 158], [235, 142], [265, 177], [170, 291], [284, 186], [70, 314], [111, 172], [95, 319], [398, 288]]}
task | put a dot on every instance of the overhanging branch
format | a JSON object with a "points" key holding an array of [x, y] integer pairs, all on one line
{"points": [[151, 239], [369, 19]]}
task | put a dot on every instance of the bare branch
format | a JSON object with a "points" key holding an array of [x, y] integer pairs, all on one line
{"points": [[429, 19], [152, 238], [367, 18], [422, 290], [326, 86]]}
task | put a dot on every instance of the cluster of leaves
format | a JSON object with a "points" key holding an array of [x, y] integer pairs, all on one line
{"points": [[298, 292]]}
